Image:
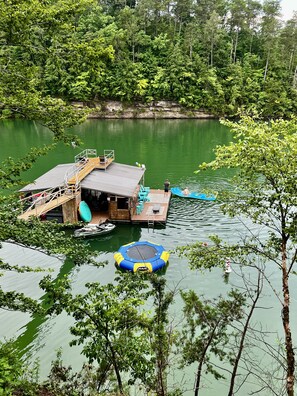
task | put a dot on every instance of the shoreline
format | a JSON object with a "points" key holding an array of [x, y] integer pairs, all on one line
{"points": [[162, 109]]}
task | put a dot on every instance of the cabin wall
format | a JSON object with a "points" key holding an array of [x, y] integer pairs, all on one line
{"points": [[117, 214]]}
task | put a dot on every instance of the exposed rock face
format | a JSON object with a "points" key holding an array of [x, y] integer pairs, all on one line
{"points": [[155, 110]]}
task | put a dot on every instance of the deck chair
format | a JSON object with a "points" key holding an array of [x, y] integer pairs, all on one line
{"points": [[144, 189], [139, 207]]}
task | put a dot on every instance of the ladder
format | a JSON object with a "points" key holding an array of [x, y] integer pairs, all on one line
{"points": [[150, 223]]}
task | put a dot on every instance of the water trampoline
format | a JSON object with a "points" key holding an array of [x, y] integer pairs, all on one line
{"points": [[141, 256]]}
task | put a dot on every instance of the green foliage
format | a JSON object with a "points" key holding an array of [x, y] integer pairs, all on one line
{"points": [[26, 30], [58, 52], [123, 329], [15, 375], [11, 368], [110, 326], [218, 56], [63, 381], [265, 156], [163, 337], [206, 333], [48, 237], [24, 25]]}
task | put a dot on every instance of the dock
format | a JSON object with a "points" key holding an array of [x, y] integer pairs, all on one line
{"points": [[99, 217], [113, 191], [155, 211]]}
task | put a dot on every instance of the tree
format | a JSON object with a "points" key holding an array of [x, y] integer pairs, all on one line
{"points": [[265, 155], [135, 37], [212, 32], [15, 375], [182, 9], [124, 327], [237, 24], [207, 330], [288, 41], [35, 234], [110, 326], [163, 336], [26, 30], [23, 25], [270, 28]]}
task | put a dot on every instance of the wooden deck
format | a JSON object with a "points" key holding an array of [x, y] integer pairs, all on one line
{"points": [[88, 167], [99, 217], [156, 210]]}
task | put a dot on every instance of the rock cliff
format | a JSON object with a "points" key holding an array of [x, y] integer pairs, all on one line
{"points": [[156, 110]]}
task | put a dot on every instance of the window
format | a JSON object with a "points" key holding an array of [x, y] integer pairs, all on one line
{"points": [[123, 203]]}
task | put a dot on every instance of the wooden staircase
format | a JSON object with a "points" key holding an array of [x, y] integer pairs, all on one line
{"points": [[83, 171], [43, 206]]}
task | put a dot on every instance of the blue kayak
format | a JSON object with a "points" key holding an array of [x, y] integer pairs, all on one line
{"points": [[177, 191]]}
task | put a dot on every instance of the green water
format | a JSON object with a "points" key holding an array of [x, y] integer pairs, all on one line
{"points": [[170, 149]]}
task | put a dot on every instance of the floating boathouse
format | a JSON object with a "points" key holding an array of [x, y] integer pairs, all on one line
{"points": [[113, 192]]}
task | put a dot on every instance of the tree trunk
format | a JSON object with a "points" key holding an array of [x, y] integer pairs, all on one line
{"points": [[133, 53], [295, 78], [116, 368], [286, 324], [211, 53], [231, 52], [266, 66], [199, 371], [242, 339], [161, 388], [235, 46], [161, 365], [198, 377], [251, 43]]}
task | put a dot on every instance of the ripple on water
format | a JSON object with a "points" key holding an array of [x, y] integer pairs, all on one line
{"points": [[194, 220]]}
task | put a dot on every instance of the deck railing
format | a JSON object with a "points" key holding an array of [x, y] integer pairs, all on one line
{"points": [[73, 172], [45, 199], [109, 154], [88, 153]]}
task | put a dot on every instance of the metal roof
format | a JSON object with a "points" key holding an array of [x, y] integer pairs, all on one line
{"points": [[51, 179], [117, 179]]}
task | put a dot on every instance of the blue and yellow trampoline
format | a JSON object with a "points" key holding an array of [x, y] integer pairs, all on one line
{"points": [[141, 256]]}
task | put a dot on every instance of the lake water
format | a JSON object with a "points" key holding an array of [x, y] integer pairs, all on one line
{"points": [[170, 149]]}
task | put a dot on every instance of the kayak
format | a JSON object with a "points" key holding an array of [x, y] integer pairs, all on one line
{"points": [[205, 197], [84, 211]]}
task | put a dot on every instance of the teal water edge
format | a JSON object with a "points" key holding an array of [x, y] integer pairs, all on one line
{"points": [[170, 149]]}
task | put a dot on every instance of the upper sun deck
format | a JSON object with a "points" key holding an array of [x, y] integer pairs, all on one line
{"points": [[85, 163]]}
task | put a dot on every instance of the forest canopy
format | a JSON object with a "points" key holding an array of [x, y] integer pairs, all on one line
{"points": [[224, 57]]}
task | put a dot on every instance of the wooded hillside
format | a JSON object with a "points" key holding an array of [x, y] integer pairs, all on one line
{"points": [[221, 56]]}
